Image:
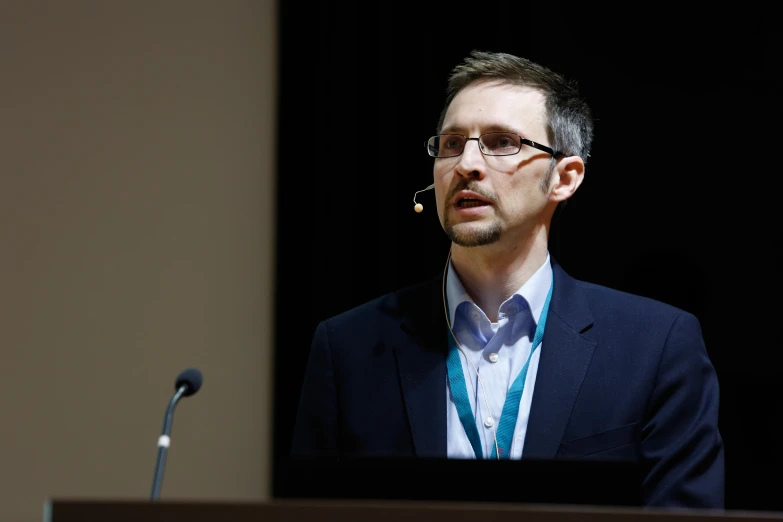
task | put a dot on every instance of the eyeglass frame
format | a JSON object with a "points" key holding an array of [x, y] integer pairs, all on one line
{"points": [[522, 141]]}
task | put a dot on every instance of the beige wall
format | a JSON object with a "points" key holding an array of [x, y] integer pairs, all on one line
{"points": [[137, 144]]}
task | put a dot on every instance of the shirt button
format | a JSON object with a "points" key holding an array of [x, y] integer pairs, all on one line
{"points": [[488, 422], [493, 357], [475, 315]]}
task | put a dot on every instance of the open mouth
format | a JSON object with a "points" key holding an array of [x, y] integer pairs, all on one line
{"points": [[471, 202]]}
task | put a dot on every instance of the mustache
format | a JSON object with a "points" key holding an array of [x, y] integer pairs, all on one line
{"points": [[472, 186]]}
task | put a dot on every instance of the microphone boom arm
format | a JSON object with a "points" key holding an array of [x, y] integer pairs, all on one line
{"points": [[418, 206]]}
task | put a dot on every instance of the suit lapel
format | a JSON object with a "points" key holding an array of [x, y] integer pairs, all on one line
{"points": [[420, 349], [565, 356]]}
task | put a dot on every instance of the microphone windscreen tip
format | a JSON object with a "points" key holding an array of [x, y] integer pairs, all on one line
{"points": [[191, 379]]}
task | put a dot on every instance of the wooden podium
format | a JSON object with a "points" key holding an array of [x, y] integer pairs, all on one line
{"points": [[70, 510]]}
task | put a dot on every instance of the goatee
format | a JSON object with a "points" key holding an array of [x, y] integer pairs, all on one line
{"points": [[485, 235]]}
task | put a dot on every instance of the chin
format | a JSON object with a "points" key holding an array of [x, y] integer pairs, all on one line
{"points": [[473, 234]]}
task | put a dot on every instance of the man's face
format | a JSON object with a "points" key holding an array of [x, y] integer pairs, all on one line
{"points": [[510, 186]]}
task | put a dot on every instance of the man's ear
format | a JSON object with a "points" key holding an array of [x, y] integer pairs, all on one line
{"points": [[569, 174]]}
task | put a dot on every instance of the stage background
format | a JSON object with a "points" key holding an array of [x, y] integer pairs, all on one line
{"points": [[137, 144], [679, 201]]}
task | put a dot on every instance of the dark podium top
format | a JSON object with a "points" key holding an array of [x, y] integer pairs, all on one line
{"points": [[369, 511], [606, 483]]}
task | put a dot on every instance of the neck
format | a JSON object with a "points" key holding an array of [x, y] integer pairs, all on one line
{"points": [[491, 274]]}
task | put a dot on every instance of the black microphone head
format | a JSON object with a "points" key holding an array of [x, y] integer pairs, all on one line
{"points": [[191, 379]]}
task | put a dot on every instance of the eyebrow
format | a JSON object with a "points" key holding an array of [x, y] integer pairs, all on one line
{"points": [[491, 127]]}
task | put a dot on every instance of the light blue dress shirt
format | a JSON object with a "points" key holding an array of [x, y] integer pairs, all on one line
{"points": [[499, 351]]}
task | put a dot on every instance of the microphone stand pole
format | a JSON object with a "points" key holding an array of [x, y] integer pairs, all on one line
{"points": [[163, 444]]}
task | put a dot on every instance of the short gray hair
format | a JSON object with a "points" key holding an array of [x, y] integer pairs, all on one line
{"points": [[569, 119]]}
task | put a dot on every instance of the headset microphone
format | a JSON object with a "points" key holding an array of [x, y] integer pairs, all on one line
{"points": [[418, 207]]}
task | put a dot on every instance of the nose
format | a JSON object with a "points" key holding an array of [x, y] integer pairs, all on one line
{"points": [[472, 162]]}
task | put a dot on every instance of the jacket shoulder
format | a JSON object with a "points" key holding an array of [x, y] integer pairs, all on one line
{"points": [[605, 300], [390, 306]]}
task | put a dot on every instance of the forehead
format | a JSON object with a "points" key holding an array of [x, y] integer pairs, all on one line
{"points": [[485, 106]]}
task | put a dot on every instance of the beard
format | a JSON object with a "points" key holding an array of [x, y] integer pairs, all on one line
{"points": [[472, 234]]}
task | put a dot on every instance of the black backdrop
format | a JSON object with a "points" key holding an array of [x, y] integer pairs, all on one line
{"points": [[679, 201]]}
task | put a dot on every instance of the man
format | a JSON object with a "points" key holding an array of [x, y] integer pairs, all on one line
{"points": [[504, 355]]}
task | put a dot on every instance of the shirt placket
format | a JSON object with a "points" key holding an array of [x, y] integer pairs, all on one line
{"points": [[492, 375]]}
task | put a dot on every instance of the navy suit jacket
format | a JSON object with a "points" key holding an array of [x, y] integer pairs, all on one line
{"points": [[620, 377]]}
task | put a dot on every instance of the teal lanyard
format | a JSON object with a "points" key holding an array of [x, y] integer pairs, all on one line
{"points": [[508, 418]]}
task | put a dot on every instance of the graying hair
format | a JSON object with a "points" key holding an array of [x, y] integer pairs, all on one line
{"points": [[568, 118]]}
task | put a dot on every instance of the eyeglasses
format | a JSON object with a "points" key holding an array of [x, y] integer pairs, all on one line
{"points": [[490, 144]]}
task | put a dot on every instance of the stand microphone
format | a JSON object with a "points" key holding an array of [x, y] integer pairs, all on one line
{"points": [[188, 382]]}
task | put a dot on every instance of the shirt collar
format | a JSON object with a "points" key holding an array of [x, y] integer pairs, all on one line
{"points": [[534, 291]]}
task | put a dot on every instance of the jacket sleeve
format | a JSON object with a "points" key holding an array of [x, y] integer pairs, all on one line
{"points": [[316, 429], [681, 449]]}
